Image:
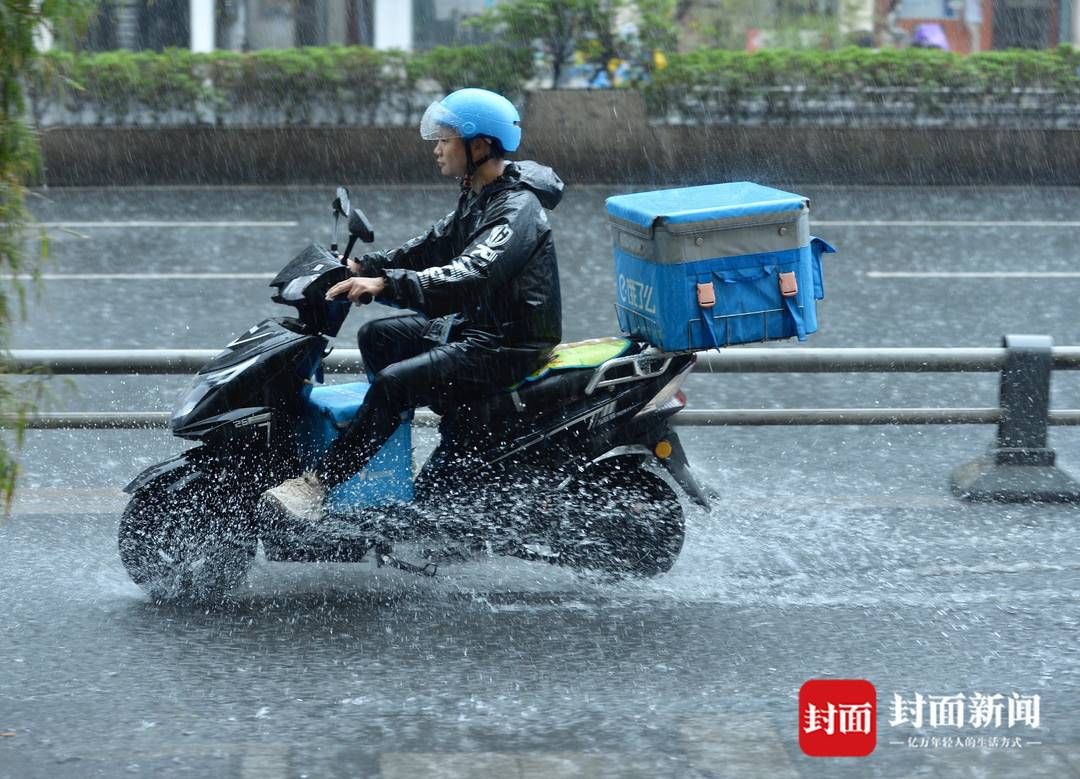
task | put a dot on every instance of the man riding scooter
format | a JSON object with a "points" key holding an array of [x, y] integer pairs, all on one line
{"points": [[483, 283]]}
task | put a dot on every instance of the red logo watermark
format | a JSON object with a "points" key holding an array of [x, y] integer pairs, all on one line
{"points": [[837, 718]]}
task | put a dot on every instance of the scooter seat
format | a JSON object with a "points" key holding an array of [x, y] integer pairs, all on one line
{"points": [[591, 353], [562, 379]]}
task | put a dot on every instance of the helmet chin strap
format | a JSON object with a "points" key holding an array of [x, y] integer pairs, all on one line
{"points": [[471, 165]]}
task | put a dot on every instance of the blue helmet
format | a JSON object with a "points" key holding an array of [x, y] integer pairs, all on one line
{"points": [[474, 113]]}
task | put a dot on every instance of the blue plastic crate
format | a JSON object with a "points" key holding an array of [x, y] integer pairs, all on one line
{"points": [[702, 267]]}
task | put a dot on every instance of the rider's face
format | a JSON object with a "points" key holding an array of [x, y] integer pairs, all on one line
{"points": [[450, 156]]}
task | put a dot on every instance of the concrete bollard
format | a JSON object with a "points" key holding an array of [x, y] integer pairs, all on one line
{"points": [[1020, 468]]}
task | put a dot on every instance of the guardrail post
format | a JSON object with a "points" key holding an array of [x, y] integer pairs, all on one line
{"points": [[1020, 468]]}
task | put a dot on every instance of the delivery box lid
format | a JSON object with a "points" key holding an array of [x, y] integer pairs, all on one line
{"points": [[736, 201]]}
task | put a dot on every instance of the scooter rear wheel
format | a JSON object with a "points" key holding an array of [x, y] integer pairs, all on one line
{"points": [[622, 520], [179, 547]]}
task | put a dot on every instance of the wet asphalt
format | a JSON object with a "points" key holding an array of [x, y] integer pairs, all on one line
{"points": [[832, 551]]}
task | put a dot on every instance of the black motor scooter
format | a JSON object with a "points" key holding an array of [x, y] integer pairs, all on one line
{"points": [[556, 469]]}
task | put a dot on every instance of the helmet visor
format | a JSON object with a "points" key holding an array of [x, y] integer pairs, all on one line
{"points": [[439, 122]]}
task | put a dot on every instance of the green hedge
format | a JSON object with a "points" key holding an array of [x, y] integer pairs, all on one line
{"points": [[338, 84], [850, 68], [270, 85], [732, 75]]}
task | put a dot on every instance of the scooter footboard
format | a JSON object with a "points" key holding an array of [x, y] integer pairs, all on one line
{"points": [[176, 467], [388, 477]]}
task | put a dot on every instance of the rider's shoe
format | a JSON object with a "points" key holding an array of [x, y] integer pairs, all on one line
{"points": [[300, 499]]}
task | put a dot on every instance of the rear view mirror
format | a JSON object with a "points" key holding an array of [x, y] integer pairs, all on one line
{"points": [[360, 227], [341, 205]]}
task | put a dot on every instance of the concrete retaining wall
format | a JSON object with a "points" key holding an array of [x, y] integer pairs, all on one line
{"points": [[588, 137]]}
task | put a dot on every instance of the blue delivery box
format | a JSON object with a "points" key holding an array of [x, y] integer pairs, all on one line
{"points": [[703, 267]]}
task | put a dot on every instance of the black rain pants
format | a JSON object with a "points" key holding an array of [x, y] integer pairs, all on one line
{"points": [[408, 370]]}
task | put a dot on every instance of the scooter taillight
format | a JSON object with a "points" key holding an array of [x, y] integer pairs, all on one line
{"points": [[670, 398], [677, 402]]}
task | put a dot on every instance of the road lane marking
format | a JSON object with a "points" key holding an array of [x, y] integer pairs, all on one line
{"points": [[523, 765], [739, 744], [264, 761], [161, 224], [938, 223], [146, 276], [1004, 274], [69, 501]]}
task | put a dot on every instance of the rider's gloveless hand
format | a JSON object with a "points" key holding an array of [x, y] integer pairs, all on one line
{"points": [[356, 288]]}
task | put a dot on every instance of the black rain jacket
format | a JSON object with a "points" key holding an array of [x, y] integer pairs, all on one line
{"points": [[491, 262]]}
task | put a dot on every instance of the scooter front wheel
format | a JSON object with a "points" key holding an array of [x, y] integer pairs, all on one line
{"points": [[622, 520], [179, 546]]}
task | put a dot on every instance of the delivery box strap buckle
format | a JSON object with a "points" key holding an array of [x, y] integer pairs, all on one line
{"points": [[789, 291], [706, 295], [706, 299], [789, 286]]}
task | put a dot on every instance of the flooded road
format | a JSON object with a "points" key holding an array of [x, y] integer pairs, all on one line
{"points": [[831, 552]]}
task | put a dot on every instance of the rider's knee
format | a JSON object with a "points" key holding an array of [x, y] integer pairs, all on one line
{"points": [[390, 382], [367, 336]]}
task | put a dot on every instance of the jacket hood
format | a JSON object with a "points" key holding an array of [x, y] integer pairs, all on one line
{"points": [[539, 179]]}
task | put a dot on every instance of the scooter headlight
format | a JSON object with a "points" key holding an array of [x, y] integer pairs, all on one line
{"points": [[206, 382], [294, 290], [223, 375]]}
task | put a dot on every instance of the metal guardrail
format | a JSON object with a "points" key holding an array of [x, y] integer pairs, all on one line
{"points": [[1019, 467], [128, 362], [734, 360], [872, 360], [728, 417]]}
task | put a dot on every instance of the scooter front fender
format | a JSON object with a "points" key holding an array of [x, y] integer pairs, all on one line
{"points": [[179, 467]]}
